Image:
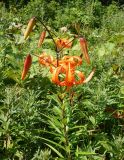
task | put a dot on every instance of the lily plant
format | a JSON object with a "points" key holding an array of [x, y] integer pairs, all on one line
{"points": [[64, 73]]}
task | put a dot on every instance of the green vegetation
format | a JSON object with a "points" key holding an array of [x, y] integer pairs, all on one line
{"points": [[40, 120]]}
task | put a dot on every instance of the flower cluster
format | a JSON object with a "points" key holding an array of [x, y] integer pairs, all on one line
{"points": [[63, 69]]}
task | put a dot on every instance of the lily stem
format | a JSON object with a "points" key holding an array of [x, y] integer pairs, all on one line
{"points": [[48, 32], [65, 132]]}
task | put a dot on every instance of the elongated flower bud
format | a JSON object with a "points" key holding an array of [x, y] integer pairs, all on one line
{"points": [[27, 65], [41, 39], [83, 45], [30, 26]]}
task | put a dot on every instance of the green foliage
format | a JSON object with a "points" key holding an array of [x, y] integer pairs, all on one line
{"points": [[40, 121], [40, 8]]}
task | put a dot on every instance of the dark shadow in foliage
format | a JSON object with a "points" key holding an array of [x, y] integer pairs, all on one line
{"points": [[43, 87], [40, 83], [108, 2], [15, 3]]}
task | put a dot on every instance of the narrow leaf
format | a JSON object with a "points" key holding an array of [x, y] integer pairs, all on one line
{"points": [[86, 153], [52, 142], [57, 152]]}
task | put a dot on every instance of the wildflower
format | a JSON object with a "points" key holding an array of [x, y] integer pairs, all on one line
{"points": [[41, 39], [70, 74], [73, 60], [29, 27], [67, 70], [45, 59], [27, 65], [63, 43], [63, 68]]}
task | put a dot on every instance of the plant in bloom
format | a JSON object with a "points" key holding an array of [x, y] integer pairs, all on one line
{"points": [[63, 70], [65, 73], [63, 43], [45, 59]]}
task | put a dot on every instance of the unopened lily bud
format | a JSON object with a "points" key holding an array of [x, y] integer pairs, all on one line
{"points": [[27, 65], [30, 26], [41, 39], [83, 45]]}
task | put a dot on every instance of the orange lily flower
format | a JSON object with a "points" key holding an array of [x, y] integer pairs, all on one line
{"points": [[73, 60], [67, 68], [63, 68], [64, 74], [27, 65], [63, 43], [45, 59], [69, 74]]}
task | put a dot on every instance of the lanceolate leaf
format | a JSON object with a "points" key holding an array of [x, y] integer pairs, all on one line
{"points": [[52, 142], [86, 153], [57, 152]]}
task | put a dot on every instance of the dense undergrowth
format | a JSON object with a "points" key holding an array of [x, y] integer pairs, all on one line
{"points": [[38, 120]]}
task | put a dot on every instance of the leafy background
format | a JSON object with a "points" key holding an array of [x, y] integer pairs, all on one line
{"points": [[37, 120]]}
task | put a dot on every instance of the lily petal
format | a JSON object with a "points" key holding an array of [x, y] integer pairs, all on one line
{"points": [[55, 76], [69, 75], [45, 59], [63, 43], [90, 76], [81, 76]]}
